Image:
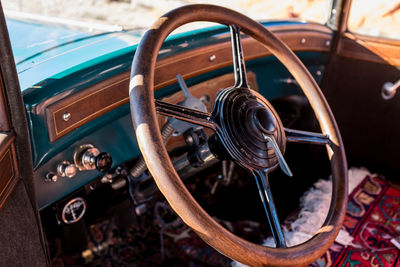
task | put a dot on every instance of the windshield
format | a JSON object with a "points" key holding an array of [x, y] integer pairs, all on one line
{"points": [[142, 13]]}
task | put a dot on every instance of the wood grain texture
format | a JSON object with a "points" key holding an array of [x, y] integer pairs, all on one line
{"points": [[103, 97], [371, 49], [196, 62], [210, 88], [86, 105], [8, 167], [4, 122]]}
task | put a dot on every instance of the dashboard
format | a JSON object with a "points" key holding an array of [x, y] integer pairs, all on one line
{"points": [[87, 111]]}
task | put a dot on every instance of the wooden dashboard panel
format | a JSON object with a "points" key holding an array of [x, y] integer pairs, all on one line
{"points": [[8, 171], [210, 88], [77, 109], [4, 123], [64, 114], [370, 48]]}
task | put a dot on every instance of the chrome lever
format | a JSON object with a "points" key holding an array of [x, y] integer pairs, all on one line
{"points": [[282, 162], [389, 89]]}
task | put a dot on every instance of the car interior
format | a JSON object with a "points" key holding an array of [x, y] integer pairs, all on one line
{"points": [[200, 148]]}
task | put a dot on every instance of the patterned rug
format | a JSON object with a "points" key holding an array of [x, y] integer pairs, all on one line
{"points": [[373, 219]]}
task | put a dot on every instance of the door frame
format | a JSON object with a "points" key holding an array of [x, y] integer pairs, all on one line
{"points": [[23, 240]]}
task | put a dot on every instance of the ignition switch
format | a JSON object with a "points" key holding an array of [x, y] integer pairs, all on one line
{"points": [[87, 157]]}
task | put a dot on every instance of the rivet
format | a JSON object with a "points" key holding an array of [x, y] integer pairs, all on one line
{"points": [[328, 42], [319, 73], [66, 116], [303, 40], [212, 57]]}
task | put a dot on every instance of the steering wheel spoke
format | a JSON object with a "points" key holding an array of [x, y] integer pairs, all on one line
{"points": [[238, 59], [194, 116], [297, 136], [264, 190]]}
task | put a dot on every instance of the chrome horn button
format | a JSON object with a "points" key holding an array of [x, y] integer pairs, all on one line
{"points": [[245, 117]]}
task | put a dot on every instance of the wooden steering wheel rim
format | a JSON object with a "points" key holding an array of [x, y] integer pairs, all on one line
{"points": [[141, 93]]}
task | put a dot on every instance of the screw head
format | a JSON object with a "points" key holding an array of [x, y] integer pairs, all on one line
{"points": [[66, 116], [328, 42]]}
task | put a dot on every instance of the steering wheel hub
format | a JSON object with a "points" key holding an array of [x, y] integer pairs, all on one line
{"points": [[245, 118]]}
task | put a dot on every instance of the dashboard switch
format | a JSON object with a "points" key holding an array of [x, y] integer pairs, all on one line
{"points": [[66, 169], [51, 177], [87, 157], [103, 162]]}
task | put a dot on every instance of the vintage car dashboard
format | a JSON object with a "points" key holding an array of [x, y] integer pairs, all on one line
{"points": [[79, 109]]}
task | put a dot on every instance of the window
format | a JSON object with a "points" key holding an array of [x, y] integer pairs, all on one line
{"points": [[379, 18], [142, 13]]}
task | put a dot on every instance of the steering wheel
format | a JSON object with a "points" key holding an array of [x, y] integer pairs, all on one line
{"points": [[249, 131]]}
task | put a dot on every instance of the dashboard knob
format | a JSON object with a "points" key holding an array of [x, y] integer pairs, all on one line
{"points": [[103, 162], [66, 169], [51, 177], [87, 157]]}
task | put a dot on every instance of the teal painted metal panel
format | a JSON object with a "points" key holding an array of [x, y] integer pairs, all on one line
{"points": [[30, 38]]}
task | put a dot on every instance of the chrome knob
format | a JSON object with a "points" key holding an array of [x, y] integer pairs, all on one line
{"points": [[51, 177], [88, 157], [66, 169], [103, 162]]}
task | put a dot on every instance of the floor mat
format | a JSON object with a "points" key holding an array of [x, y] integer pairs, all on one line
{"points": [[373, 219]]}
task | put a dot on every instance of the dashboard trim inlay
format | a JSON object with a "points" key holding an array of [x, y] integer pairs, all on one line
{"points": [[101, 98]]}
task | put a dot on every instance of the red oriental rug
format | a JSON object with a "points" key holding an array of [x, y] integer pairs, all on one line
{"points": [[373, 219]]}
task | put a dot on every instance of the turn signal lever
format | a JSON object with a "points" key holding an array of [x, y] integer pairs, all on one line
{"points": [[87, 157]]}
